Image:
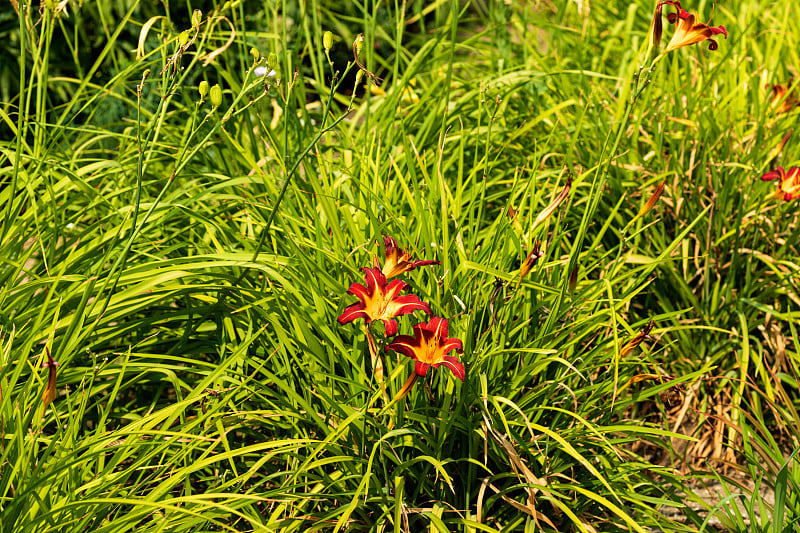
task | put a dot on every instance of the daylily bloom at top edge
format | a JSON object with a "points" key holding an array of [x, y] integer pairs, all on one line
{"points": [[429, 347], [789, 186], [687, 32], [381, 301], [397, 260], [637, 340], [779, 102]]}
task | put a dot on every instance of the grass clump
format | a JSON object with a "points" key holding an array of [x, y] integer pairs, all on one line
{"points": [[612, 289]]}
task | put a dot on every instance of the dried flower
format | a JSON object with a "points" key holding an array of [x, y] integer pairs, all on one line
{"points": [[397, 260]]}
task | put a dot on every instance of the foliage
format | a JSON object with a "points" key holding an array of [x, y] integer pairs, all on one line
{"points": [[185, 263]]}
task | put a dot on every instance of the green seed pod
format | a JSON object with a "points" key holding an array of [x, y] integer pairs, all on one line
{"points": [[359, 77], [255, 53], [197, 17], [216, 95], [272, 61], [203, 88], [184, 37], [327, 40], [49, 4]]}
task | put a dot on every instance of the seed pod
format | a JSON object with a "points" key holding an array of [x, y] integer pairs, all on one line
{"points": [[255, 53], [203, 88], [216, 95], [272, 61], [197, 17], [184, 37], [327, 40]]}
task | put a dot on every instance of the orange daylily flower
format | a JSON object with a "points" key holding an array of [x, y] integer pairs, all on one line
{"points": [[789, 186], [398, 260], [779, 102], [381, 301], [429, 347], [687, 32]]}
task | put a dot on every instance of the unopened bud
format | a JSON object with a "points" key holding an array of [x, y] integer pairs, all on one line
{"points": [[255, 53], [327, 40], [197, 17], [651, 202], [184, 37], [272, 61], [359, 77], [49, 4], [215, 95], [358, 45], [203, 88]]}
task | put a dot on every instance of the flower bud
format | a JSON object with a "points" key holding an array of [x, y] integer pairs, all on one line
{"points": [[184, 37], [255, 53], [359, 77], [197, 17], [216, 95], [327, 40], [203, 88], [272, 61], [358, 45], [651, 202]]}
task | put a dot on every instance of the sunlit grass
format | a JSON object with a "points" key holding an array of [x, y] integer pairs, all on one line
{"points": [[185, 265]]}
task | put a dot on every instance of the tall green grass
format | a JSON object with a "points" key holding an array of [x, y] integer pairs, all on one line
{"points": [[185, 265]]}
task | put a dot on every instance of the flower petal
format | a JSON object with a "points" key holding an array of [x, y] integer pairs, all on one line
{"points": [[406, 345], [351, 312], [438, 326], [455, 366], [420, 368]]}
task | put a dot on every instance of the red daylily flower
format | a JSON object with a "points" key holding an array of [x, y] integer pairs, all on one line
{"points": [[381, 301], [789, 186], [429, 347], [398, 260], [780, 103], [687, 32]]}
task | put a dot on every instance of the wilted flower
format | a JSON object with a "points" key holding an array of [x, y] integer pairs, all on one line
{"points": [[398, 260], [780, 102], [381, 301], [789, 185], [429, 347], [687, 32], [637, 340], [536, 253], [547, 211], [50, 390]]}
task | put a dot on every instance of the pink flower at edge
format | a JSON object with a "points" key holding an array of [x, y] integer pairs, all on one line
{"points": [[380, 300], [429, 347]]}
